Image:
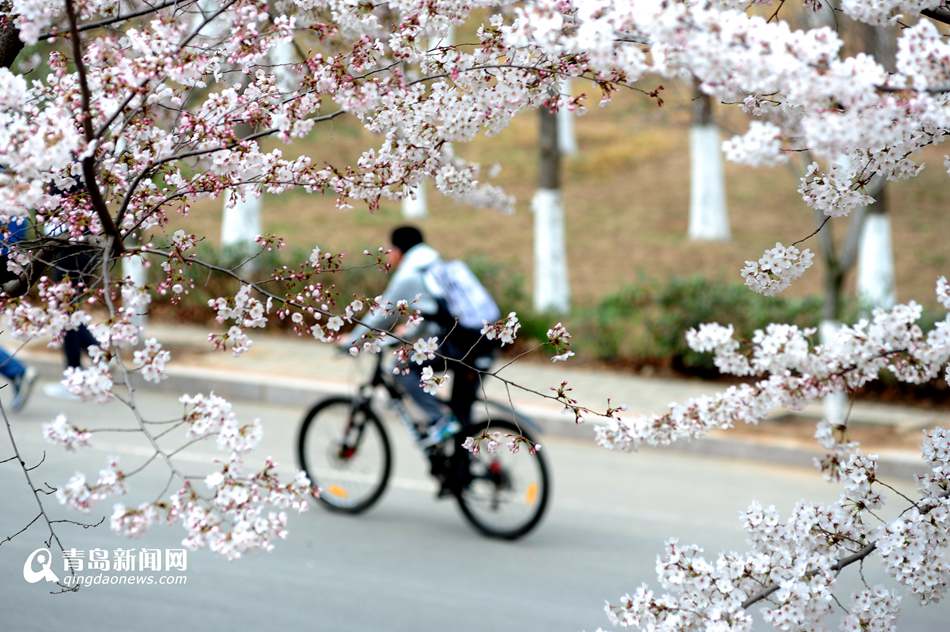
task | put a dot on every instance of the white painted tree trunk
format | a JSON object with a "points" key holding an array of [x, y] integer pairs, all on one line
{"points": [[242, 221], [876, 285], [134, 268], [283, 55], [708, 216], [437, 40], [835, 404], [414, 205], [566, 140], [551, 287]]}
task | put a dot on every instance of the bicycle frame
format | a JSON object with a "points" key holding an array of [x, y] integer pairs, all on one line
{"points": [[380, 378]]}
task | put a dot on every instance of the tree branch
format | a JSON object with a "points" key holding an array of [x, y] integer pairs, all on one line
{"points": [[940, 15], [53, 536], [201, 152], [837, 566], [119, 18], [102, 130], [88, 163], [10, 42]]}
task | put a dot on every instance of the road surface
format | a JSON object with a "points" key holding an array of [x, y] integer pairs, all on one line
{"points": [[411, 563]]}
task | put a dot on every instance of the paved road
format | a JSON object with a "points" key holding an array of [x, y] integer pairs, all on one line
{"points": [[411, 563]]}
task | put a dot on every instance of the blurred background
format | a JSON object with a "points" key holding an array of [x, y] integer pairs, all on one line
{"points": [[656, 226]]}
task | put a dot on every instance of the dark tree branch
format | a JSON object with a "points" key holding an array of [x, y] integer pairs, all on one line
{"points": [[53, 536], [814, 232], [939, 15], [119, 18], [842, 562], [105, 127], [10, 42], [149, 169], [89, 162]]}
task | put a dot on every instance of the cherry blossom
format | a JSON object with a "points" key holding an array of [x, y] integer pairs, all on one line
{"points": [[134, 126], [62, 432], [759, 146], [776, 269], [504, 331], [210, 415], [560, 338], [424, 349], [92, 383], [79, 494], [431, 382], [151, 361]]}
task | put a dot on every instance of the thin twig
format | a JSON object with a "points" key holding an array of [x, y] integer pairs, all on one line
{"points": [[813, 233]]}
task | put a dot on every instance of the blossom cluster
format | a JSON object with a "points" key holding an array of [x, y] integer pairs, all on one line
{"points": [[794, 563], [492, 440], [151, 360], [243, 513], [760, 145], [210, 415], [790, 371], [776, 269], [62, 432], [504, 331], [79, 494], [246, 311], [560, 338]]}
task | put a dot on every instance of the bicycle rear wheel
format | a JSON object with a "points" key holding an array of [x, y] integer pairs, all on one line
{"points": [[503, 495], [344, 449]]}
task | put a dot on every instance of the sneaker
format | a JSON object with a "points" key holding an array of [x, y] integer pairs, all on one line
{"points": [[445, 428], [56, 390], [22, 389]]}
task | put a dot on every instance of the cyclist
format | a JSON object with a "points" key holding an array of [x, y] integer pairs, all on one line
{"points": [[454, 305]]}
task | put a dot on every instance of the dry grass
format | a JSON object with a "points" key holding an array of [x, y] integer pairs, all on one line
{"points": [[626, 196]]}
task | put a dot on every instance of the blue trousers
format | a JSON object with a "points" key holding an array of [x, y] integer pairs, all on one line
{"points": [[10, 367]]}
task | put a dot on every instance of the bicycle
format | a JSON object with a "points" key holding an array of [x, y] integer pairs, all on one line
{"points": [[345, 450]]}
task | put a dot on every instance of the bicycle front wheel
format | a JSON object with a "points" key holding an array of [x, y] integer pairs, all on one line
{"points": [[503, 495], [344, 449]]}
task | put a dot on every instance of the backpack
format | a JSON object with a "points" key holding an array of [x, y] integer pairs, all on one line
{"points": [[459, 292]]}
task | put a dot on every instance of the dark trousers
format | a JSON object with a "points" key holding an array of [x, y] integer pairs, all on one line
{"points": [[74, 343], [461, 344], [80, 263]]}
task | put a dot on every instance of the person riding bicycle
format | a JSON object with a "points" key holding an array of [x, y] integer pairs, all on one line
{"points": [[454, 305]]}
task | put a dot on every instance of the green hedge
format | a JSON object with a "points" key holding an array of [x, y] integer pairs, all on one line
{"points": [[641, 324], [646, 322]]}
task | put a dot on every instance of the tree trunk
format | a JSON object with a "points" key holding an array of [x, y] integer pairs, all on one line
{"points": [[10, 44], [708, 216], [241, 224], [551, 287], [834, 280], [566, 140], [134, 268], [414, 205], [835, 404], [876, 285]]}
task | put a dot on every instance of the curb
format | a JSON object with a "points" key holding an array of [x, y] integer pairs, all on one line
{"points": [[296, 392]]}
